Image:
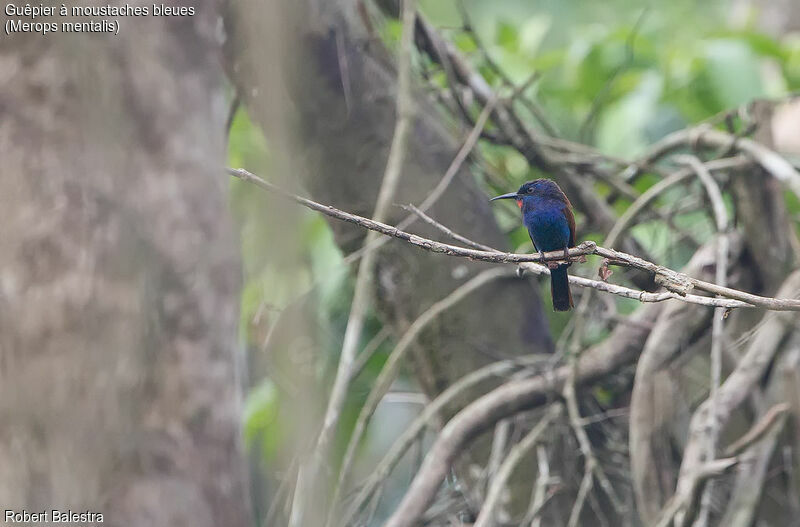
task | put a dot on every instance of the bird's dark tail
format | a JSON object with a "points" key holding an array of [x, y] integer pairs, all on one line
{"points": [[559, 287]]}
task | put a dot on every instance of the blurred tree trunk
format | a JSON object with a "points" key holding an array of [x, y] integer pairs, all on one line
{"points": [[776, 17], [327, 105], [323, 89], [329, 111], [119, 375]]}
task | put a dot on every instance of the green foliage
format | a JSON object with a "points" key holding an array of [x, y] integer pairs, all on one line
{"points": [[622, 82], [642, 76], [261, 415], [609, 74], [273, 281]]}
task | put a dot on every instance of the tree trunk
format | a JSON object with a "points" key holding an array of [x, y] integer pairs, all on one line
{"points": [[119, 375], [322, 87], [329, 108]]}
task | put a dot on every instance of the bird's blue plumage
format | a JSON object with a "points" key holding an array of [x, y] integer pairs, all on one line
{"points": [[546, 222], [547, 214]]}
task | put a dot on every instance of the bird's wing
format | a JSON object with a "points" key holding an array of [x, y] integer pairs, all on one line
{"points": [[567, 210]]}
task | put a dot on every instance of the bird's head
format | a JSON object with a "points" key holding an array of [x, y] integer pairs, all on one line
{"points": [[538, 188]]}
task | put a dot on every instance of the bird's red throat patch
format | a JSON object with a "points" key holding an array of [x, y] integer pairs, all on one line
{"points": [[519, 203]]}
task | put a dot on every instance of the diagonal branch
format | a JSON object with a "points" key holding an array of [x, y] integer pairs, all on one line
{"points": [[704, 135], [625, 292], [441, 186], [364, 277], [732, 392], [621, 347], [722, 245], [392, 366], [704, 472], [404, 442], [677, 177], [675, 282], [486, 516], [773, 416], [592, 466]]}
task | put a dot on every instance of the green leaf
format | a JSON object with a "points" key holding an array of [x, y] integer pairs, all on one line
{"points": [[732, 73], [622, 125], [261, 410], [760, 43], [507, 36], [465, 43], [532, 33], [392, 31]]}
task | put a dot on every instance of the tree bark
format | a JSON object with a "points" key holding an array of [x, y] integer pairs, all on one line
{"points": [[329, 109], [658, 407], [119, 371], [327, 106]]}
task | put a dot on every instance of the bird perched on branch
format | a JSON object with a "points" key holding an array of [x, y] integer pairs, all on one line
{"points": [[547, 214]]}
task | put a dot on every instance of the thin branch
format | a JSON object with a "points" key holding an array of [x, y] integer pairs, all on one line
{"points": [[391, 179], [368, 352], [600, 98], [717, 336], [586, 485], [532, 107], [540, 490], [279, 495], [374, 505], [486, 516], [461, 156], [392, 366], [679, 176], [626, 292], [501, 437], [621, 347], [751, 482], [232, 109], [446, 230], [441, 51], [636, 294], [699, 476], [592, 465], [733, 391], [704, 135], [430, 411], [773, 417], [672, 280], [364, 278], [652, 400], [444, 183]]}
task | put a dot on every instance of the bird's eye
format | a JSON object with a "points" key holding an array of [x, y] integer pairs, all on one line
{"points": [[530, 190]]}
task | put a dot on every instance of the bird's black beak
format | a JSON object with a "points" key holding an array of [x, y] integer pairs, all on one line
{"points": [[510, 195]]}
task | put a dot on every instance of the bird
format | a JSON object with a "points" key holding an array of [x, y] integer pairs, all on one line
{"points": [[547, 214]]}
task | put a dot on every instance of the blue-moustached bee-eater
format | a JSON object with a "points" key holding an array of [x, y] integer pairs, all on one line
{"points": [[547, 214]]}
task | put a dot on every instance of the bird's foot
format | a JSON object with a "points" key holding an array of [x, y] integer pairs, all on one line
{"points": [[566, 256]]}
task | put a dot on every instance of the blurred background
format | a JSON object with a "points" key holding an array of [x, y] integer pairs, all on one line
{"points": [[617, 76], [171, 336]]}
